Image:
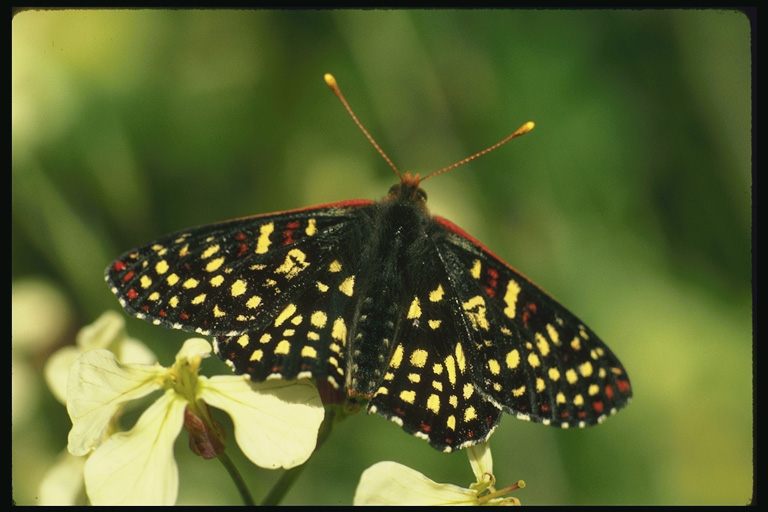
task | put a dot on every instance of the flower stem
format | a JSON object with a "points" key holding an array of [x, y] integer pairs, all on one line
{"points": [[236, 478]]}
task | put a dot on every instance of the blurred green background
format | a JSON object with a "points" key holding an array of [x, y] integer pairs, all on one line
{"points": [[630, 202]]}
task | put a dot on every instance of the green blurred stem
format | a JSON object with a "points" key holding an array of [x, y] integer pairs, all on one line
{"points": [[237, 478]]}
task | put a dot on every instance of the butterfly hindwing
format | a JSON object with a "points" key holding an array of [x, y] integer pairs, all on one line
{"points": [[429, 387]]}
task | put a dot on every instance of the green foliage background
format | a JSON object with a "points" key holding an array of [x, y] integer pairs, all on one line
{"points": [[630, 202]]}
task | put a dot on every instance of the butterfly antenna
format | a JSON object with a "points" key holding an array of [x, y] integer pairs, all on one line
{"points": [[520, 131], [331, 81]]}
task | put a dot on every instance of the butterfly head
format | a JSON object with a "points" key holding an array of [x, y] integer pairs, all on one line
{"points": [[408, 189]]}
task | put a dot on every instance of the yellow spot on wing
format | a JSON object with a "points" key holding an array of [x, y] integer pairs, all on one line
{"points": [[214, 265], [339, 331], [190, 283], [311, 227], [318, 319], [253, 302], [461, 361], [172, 279], [542, 344], [419, 358], [415, 310], [513, 359], [433, 403], [436, 295], [284, 315], [335, 266], [295, 262], [238, 288], [283, 347], [450, 366], [510, 298], [347, 286], [397, 357], [408, 396], [553, 335], [263, 242], [210, 251], [145, 281], [199, 299], [161, 267], [475, 311], [586, 369], [476, 267]]}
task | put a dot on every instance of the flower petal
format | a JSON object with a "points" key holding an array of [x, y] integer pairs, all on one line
{"points": [[107, 332], [97, 388], [137, 467], [57, 371], [480, 459], [276, 421], [390, 483], [193, 349], [482, 466]]}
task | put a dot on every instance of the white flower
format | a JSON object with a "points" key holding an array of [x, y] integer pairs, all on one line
{"points": [[62, 484], [107, 332], [390, 483], [276, 422]]}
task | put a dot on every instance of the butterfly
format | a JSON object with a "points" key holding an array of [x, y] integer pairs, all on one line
{"points": [[395, 307]]}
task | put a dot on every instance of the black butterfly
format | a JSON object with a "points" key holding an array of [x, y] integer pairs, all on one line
{"points": [[385, 302]]}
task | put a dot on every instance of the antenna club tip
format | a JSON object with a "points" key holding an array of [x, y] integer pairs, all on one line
{"points": [[330, 80], [527, 127]]}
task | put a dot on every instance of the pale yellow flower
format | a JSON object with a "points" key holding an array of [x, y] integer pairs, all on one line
{"points": [[390, 483], [276, 422]]}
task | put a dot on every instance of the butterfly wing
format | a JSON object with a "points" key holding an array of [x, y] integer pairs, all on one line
{"points": [[530, 355], [234, 277]]}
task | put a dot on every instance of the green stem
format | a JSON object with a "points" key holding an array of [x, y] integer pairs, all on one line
{"points": [[237, 478], [285, 482]]}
